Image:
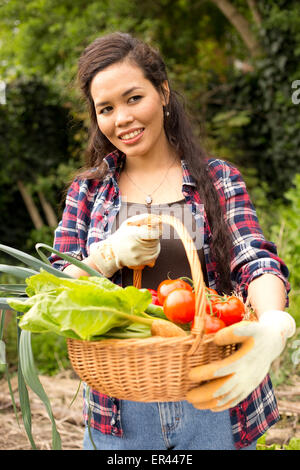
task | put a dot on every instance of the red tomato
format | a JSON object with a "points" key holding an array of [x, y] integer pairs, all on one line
{"points": [[211, 296], [213, 324], [167, 286], [210, 302], [179, 306], [154, 297], [231, 309], [209, 290]]}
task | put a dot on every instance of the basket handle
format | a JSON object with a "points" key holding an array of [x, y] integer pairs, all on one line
{"points": [[195, 265]]}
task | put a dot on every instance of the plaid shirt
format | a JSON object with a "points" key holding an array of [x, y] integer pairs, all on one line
{"points": [[90, 210]]}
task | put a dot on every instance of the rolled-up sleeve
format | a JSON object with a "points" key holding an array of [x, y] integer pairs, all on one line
{"points": [[252, 254], [66, 233]]}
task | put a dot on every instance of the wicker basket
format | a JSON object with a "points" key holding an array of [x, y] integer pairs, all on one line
{"points": [[156, 368]]}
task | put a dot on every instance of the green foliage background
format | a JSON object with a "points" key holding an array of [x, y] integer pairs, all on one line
{"points": [[247, 118]]}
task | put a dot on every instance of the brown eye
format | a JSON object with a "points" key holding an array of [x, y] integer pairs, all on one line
{"points": [[135, 98], [105, 110]]}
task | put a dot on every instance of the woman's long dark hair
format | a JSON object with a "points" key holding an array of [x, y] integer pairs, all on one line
{"points": [[116, 47]]}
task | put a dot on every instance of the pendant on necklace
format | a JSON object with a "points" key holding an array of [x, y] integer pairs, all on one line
{"points": [[148, 200]]}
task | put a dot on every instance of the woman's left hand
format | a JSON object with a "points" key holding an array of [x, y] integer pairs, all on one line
{"points": [[232, 379]]}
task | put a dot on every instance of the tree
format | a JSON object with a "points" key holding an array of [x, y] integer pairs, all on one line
{"points": [[241, 24], [46, 37], [36, 137], [269, 139]]}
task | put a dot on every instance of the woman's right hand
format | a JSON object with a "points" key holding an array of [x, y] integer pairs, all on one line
{"points": [[136, 243]]}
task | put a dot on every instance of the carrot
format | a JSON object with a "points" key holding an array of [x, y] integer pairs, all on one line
{"points": [[166, 329]]}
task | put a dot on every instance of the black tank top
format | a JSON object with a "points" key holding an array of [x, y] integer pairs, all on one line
{"points": [[172, 261]]}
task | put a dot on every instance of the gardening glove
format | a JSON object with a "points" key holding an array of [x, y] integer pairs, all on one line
{"points": [[232, 379], [135, 244]]}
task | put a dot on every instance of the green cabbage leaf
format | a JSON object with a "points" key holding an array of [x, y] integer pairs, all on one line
{"points": [[87, 308]]}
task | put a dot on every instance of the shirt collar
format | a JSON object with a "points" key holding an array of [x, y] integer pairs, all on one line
{"points": [[187, 179], [114, 160]]}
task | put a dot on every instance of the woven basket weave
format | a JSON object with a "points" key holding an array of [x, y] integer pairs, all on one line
{"points": [[156, 368]]}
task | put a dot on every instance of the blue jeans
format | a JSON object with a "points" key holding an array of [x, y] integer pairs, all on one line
{"points": [[166, 426]]}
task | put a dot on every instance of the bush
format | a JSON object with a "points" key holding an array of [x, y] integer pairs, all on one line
{"points": [[294, 444], [285, 233]]}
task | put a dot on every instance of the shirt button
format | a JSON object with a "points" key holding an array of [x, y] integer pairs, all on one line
{"points": [[113, 421]]}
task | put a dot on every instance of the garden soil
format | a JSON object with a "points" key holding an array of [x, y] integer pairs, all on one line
{"points": [[61, 390]]}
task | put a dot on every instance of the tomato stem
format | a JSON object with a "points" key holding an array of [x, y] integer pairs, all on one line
{"points": [[188, 280]]}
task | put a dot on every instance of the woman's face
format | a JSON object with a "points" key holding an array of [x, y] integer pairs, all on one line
{"points": [[129, 109]]}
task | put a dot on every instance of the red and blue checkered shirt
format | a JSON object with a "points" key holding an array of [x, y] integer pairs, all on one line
{"points": [[90, 210]]}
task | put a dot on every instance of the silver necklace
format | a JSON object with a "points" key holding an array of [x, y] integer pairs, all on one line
{"points": [[149, 199]]}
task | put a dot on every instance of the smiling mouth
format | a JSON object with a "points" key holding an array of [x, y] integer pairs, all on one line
{"points": [[132, 135]]}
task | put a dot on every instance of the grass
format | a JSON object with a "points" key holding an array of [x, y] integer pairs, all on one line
{"points": [[294, 444]]}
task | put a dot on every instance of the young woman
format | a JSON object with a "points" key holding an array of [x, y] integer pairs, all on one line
{"points": [[142, 156]]}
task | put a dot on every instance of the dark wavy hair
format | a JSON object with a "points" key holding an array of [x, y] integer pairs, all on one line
{"points": [[114, 48]]}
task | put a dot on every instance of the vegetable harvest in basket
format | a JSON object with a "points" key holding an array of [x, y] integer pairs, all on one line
{"points": [[93, 308], [178, 300], [90, 308]]}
